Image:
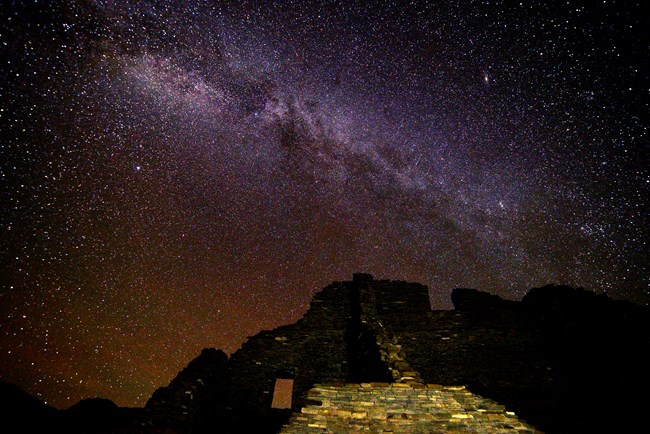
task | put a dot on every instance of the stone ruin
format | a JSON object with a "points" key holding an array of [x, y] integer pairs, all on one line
{"points": [[371, 356]]}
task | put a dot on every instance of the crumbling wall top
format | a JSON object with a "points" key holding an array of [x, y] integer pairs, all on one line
{"points": [[362, 277]]}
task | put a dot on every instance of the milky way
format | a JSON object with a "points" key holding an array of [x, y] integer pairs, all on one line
{"points": [[182, 174]]}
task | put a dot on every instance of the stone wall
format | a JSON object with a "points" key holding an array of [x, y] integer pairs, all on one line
{"points": [[194, 401], [557, 358], [329, 344], [310, 351], [563, 359], [401, 408]]}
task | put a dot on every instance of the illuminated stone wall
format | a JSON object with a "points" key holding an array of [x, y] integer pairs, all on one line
{"points": [[402, 408], [556, 359]]}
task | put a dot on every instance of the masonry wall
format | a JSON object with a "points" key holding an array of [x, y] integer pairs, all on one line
{"points": [[402, 408], [328, 345], [194, 401], [314, 349], [563, 359], [557, 358], [489, 346]]}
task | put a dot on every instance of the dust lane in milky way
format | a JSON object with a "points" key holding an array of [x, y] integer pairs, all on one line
{"points": [[180, 175]]}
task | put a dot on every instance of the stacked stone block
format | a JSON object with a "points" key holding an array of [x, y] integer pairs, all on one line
{"points": [[312, 350], [390, 349], [401, 408]]}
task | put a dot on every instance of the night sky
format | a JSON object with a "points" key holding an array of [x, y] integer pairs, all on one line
{"points": [[183, 174]]}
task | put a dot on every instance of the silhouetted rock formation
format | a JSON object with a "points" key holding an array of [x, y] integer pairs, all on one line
{"points": [[94, 415], [563, 359], [21, 412]]}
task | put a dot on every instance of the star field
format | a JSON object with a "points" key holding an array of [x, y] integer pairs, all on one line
{"points": [[182, 174]]}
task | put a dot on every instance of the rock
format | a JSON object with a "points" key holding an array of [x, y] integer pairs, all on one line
{"points": [[21, 412]]}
